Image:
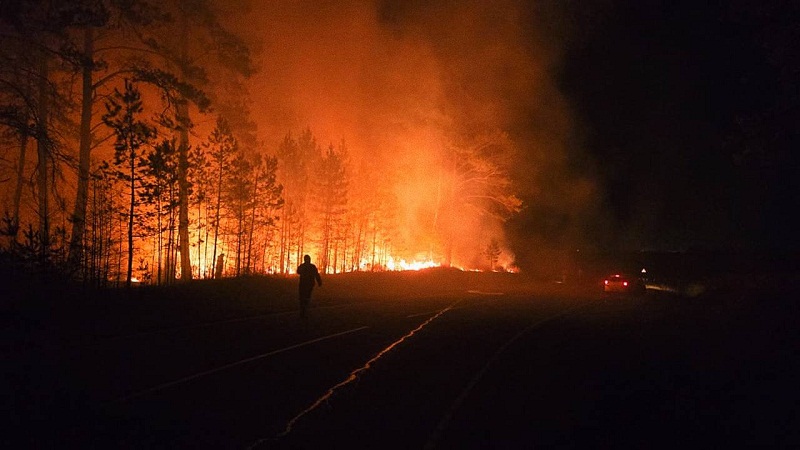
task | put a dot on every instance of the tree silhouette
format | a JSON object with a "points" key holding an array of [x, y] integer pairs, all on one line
{"points": [[239, 201], [297, 158], [492, 253], [267, 199], [197, 35], [32, 47], [222, 148], [202, 188], [159, 183], [475, 178], [122, 111], [330, 197], [100, 49]]}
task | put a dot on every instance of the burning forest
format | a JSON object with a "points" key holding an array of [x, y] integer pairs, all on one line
{"points": [[160, 141]]}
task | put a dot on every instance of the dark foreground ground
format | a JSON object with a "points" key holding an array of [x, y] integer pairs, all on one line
{"points": [[439, 359]]}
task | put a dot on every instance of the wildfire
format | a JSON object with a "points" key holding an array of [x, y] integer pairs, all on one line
{"points": [[391, 264]]}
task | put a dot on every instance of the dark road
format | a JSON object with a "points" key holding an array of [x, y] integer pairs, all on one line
{"points": [[463, 370]]}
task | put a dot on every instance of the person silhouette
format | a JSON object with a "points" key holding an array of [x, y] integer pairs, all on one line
{"points": [[308, 275]]}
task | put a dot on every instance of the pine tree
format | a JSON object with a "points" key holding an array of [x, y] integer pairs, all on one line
{"points": [[159, 184], [222, 148], [132, 134], [197, 34], [297, 158], [330, 197], [267, 199]]}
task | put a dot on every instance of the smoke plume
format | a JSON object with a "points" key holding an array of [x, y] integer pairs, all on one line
{"points": [[400, 81]]}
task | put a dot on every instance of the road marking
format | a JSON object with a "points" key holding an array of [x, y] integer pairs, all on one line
{"points": [[169, 384], [448, 416], [350, 378]]}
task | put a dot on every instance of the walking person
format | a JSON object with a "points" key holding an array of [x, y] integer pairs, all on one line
{"points": [[308, 275]]}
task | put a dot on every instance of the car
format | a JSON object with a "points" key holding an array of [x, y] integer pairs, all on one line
{"points": [[620, 283]]}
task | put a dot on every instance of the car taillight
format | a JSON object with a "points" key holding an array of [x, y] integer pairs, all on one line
{"points": [[606, 282], [624, 283]]}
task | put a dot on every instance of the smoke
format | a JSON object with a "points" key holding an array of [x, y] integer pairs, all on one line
{"points": [[400, 80]]}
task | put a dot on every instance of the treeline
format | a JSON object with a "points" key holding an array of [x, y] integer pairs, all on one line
{"points": [[108, 178], [65, 62]]}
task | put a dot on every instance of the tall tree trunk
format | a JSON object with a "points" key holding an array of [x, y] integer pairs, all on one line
{"points": [[43, 153], [301, 238], [130, 219], [199, 240], [79, 214], [249, 259], [252, 221], [335, 254], [328, 238], [216, 225], [20, 181], [160, 243], [239, 232], [97, 236], [183, 166], [169, 259], [183, 190], [284, 245], [91, 258], [359, 244], [205, 245], [119, 252], [169, 272]]}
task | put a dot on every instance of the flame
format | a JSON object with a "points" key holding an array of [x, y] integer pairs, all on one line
{"points": [[391, 264], [381, 261]]}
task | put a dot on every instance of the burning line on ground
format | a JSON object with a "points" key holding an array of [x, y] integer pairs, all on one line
{"points": [[185, 379], [448, 416], [450, 308], [350, 378]]}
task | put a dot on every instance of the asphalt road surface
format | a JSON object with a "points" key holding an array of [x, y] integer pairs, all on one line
{"points": [[471, 369]]}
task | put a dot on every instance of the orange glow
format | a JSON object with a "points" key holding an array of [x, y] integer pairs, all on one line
{"points": [[413, 265], [424, 111]]}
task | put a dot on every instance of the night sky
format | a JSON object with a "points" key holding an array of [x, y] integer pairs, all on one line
{"points": [[688, 116]]}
